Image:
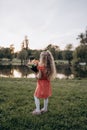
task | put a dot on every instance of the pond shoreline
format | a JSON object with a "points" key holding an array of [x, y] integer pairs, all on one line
{"points": [[24, 71]]}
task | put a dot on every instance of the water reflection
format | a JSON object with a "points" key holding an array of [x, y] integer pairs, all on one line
{"points": [[25, 72], [63, 76], [16, 74]]}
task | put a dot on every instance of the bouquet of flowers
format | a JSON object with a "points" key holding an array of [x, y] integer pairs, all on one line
{"points": [[33, 65]]}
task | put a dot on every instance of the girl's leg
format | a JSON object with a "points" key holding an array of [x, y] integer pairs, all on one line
{"points": [[45, 104], [44, 109], [37, 103]]}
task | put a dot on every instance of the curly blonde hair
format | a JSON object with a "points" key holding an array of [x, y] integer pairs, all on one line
{"points": [[47, 59]]}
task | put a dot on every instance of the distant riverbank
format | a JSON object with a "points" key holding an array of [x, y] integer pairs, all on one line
{"points": [[16, 61], [6, 61]]}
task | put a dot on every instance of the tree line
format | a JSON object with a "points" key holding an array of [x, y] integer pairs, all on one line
{"points": [[76, 58], [25, 54]]}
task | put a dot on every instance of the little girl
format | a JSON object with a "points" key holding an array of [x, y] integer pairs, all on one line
{"points": [[46, 72]]}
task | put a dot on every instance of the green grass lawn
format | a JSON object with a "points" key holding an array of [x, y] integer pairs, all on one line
{"points": [[67, 106]]}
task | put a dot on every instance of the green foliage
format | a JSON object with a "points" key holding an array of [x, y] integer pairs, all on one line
{"points": [[80, 56], [68, 55], [23, 55], [67, 107], [35, 54], [54, 49], [83, 38], [59, 55], [5, 53], [80, 53]]}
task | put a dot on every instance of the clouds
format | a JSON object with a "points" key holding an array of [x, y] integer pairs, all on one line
{"points": [[43, 21]]}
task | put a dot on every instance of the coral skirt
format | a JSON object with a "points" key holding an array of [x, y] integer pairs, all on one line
{"points": [[43, 89]]}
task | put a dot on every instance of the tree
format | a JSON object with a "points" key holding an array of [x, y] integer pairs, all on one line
{"points": [[80, 61], [25, 43], [12, 50], [83, 38], [23, 56], [5, 53], [68, 47], [54, 49], [80, 53], [67, 53]]}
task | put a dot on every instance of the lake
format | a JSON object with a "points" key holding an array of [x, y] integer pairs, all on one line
{"points": [[25, 72]]}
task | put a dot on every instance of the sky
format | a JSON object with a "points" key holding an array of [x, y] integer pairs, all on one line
{"points": [[57, 22]]}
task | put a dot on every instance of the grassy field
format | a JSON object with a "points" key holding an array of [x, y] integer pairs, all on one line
{"points": [[67, 106]]}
